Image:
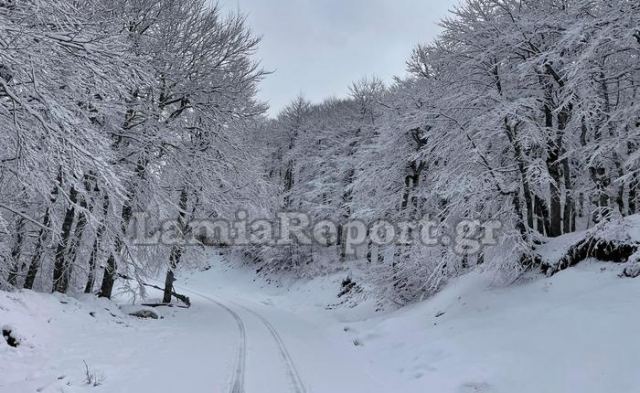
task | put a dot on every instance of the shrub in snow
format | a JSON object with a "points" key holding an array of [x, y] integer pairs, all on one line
{"points": [[347, 286], [91, 376]]}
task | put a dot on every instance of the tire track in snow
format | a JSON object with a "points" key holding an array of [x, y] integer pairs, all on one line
{"points": [[292, 371], [237, 383]]}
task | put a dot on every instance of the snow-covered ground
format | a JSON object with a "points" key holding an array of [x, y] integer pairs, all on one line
{"points": [[574, 332], [59, 334]]}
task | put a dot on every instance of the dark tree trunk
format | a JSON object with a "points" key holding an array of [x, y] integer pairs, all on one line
{"points": [[91, 277], [512, 135], [539, 221], [34, 266], [109, 276], [407, 192], [174, 259], [542, 212], [555, 150], [369, 247], [91, 274], [517, 207], [60, 277], [598, 171], [555, 204], [288, 184], [176, 250], [606, 119], [593, 247], [555, 212], [569, 214], [339, 240], [72, 252], [580, 206], [111, 269], [347, 197]]}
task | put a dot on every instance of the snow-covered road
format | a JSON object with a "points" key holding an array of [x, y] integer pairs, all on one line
{"points": [[237, 384], [237, 380], [274, 345]]}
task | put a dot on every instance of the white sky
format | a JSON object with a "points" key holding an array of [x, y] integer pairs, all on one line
{"points": [[318, 47]]}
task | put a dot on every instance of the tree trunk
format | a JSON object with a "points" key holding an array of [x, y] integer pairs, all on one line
{"points": [[569, 214], [598, 176], [369, 247], [91, 277], [174, 259], [91, 274], [555, 149], [407, 192], [517, 208], [555, 205], [542, 215], [72, 252], [16, 250], [632, 198], [555, 212], [613, 135], [34, 266], [176, 250], [592, 247], [60, 277], [111, 269], [288, 184], [512, 135], [109, 276]]}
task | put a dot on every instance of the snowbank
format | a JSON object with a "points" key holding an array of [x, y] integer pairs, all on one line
{"points": [[51, 327], [573, 332]]}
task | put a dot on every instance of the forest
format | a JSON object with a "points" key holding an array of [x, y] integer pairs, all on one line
{"points": [[525, 112]]}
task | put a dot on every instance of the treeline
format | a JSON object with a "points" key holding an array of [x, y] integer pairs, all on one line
{"points": [[523, 111], [108, 108]]}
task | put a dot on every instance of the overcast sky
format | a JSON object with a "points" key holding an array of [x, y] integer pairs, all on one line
{"points": [[318, 47]]}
